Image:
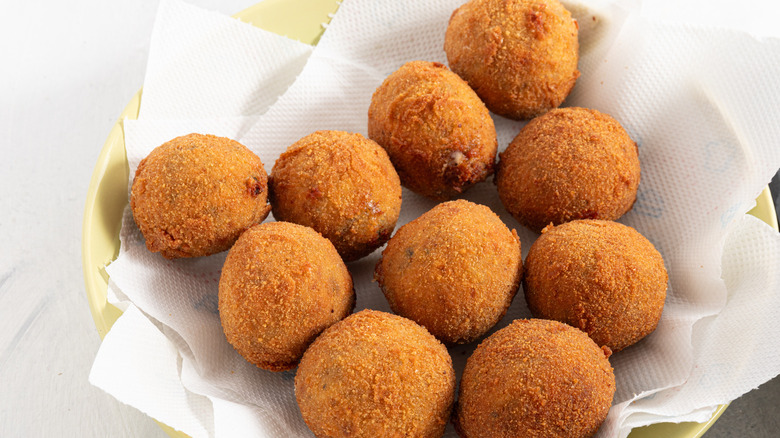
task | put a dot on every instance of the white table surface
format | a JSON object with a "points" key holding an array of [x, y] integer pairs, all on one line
{"points": [[66, 71]]}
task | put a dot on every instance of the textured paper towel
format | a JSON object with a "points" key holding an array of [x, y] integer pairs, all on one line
{"points": [[144, 367], [701, 105], [203, 64]]}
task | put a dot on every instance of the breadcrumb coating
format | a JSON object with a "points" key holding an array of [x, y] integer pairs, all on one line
{"points": [[437, 132], [602, 277], [342, 185], [194, 195], [520, 56], [282, 285], [375, 374], [571, 163], [453, 270], [535, 378]]}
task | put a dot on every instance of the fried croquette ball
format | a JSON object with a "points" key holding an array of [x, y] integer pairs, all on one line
{"points": [[342, 185], [599, 276], [520, 56], [194, 195], [375, 374], [454, 270], [535, 378], [571, 163], [439, 135], [282, 285]]}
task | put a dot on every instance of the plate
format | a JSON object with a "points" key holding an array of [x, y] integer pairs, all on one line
{"points": [[107, 193]]}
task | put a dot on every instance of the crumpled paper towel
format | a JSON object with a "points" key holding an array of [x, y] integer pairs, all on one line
{"points": [[701, 104], [205, 65]]}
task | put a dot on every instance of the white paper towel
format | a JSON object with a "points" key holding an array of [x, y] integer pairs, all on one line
{"points": [[203, 64], [144, 373], [701, 103]]}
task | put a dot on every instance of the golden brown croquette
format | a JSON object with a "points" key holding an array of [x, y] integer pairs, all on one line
{"points": [[453, 270], [520, 56], [599, 276], [342, 185], [535, 378], [282, 284], [194, 195], [571, 163], [375, 374], [437, 132]]}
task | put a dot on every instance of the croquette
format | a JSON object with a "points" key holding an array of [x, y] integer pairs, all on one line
{"points": [[453, 270], [535, 378], [571, 163], [520, 56], [375, 374], [282, 284], [599, 276], [437, 132], [342, 185], [194, 195]]}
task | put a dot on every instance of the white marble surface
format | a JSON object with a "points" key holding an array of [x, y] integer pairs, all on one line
{"points": [[68, 69]]}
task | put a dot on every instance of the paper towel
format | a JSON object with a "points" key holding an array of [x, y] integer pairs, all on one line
{"points": [[203, 64], [139, 365], [699, 102]]}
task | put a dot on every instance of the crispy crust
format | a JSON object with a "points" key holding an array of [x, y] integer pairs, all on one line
{"points": [[376, 375], [520, 56], [453, 270], [535, 378], [282, 284], [599, 276], [571, 163], [437, 132], [342, 185], [194, 195]]}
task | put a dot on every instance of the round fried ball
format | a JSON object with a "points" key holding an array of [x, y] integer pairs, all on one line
{"points": [[342, 185], [600, 276], [194, 195], [453, 270], [520, 56], [439, 135], [571, 163], [535, 378], [376, 375], [282, 285]]}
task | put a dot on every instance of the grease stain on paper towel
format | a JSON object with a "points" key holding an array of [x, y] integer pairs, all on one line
{"points": [[649, 203]]}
